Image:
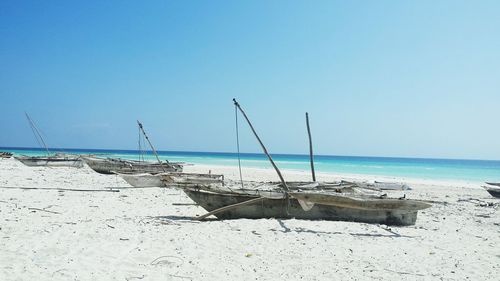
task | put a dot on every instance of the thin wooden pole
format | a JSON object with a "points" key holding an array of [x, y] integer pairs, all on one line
{"points": [[151, 145], [262, 145], [311, 155]]}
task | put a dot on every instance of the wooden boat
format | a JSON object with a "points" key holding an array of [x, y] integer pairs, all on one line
{"points": [[5, 154], [50, 160], [170, 179], [493, 191], [57, 160], [122, 166], [116, 165], [302, 200], [338, 206]]}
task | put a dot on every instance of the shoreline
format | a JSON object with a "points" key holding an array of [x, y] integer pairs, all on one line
{"points": [[450, 171], [327, 176], [166, 152]]}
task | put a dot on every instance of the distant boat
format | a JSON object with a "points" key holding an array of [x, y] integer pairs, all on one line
{"points": [[5, 154], [58, 160], [378, 185], [122, 166], [50, 160]]}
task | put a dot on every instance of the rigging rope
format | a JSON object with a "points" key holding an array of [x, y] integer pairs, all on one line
{"points": [[36, 136], [140, 146], [238, 144], [36, 132]]}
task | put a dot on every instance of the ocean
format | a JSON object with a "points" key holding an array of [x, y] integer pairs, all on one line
{"points": [[418, 168]]}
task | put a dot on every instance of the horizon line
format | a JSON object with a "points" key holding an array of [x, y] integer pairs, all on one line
{"points": [[254, 153]]}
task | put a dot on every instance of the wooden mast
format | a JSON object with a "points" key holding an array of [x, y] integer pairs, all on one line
{"points": [[237, 205], [310, 148], [151, 145], [262, 145]]}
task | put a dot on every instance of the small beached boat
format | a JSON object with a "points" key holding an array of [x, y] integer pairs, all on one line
{"points": [[377, 185], [122, 166], [58, 160], [50, 160], [5, 154]]}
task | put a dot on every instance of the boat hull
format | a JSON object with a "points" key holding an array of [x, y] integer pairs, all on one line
{"points": [[495, 192], [51, 162], [113, 166], [277, 208], [143, 180]]}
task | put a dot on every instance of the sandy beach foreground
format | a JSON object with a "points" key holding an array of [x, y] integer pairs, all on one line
{"points": [[147, 234]]}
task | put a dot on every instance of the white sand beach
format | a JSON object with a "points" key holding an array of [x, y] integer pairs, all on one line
{"points": [[147, 234]]}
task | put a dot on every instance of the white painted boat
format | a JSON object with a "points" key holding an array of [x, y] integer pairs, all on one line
{"points": [[170, 179], [143, 180], [378, 185]]}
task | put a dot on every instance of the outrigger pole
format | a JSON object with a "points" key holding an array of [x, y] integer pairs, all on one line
{"points": [[36, 132], [285, 187], [151, 145], [310, 148]]}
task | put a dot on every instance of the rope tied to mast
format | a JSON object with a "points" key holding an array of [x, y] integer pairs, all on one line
{"points": [[283, 183], [140, 141], [238, 144], [285, 187]]}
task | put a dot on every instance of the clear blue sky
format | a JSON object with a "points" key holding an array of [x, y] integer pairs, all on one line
{"points": [[381, 78]]}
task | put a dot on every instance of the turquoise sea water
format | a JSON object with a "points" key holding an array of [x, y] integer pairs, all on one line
{"points": [[443, 169]]}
